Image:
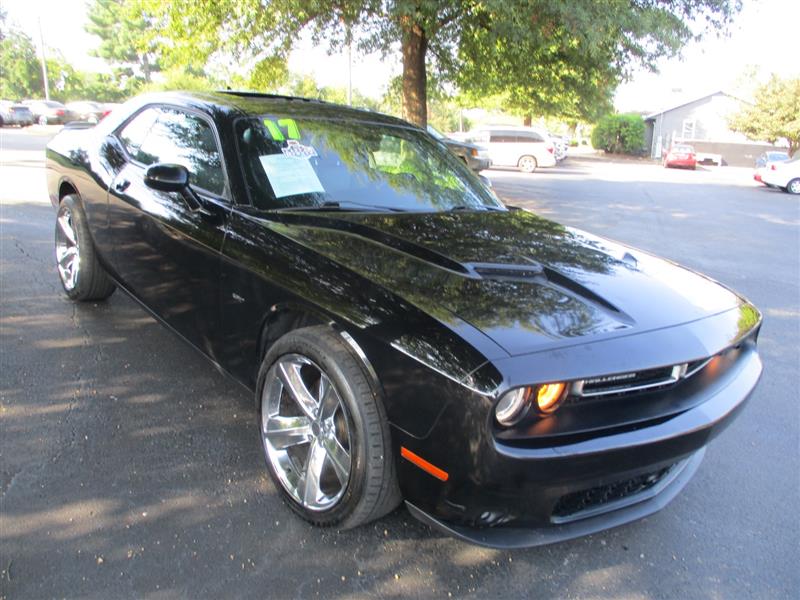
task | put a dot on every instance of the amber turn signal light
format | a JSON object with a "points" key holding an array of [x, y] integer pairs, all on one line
{"points": [[423, 464], [549, 396]]}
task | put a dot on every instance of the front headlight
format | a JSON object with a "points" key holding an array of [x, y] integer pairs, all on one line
{"points": [[515, 404]]}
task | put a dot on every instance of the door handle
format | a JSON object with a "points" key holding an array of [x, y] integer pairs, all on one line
{"points": [[121, 185]]}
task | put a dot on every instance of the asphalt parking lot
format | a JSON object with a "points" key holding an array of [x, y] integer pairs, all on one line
{"points": [[130, 468]]}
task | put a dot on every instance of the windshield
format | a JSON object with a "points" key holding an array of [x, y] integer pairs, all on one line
{"points": [[435, 132], [307, 163]]}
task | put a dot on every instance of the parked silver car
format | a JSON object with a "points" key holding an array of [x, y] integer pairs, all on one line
{"points": [[12, 113], [47, 111]]}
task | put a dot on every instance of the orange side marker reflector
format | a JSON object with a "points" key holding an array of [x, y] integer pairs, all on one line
{"points": [[423, 464]]}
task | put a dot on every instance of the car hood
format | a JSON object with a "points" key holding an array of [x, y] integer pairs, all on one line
{"points": [[459, 144], [524, 281]]}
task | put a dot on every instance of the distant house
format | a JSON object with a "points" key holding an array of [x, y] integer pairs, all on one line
{"points": [[704, 124]]}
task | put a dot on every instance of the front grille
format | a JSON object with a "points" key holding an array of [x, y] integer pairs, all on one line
{"points": [[614, 384], [570, 506], [632, 382]]}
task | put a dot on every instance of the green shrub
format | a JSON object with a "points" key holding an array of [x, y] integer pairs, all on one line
{"points": [[619, 134]]}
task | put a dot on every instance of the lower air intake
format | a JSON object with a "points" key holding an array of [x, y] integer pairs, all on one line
{"points": [[576, 505]]}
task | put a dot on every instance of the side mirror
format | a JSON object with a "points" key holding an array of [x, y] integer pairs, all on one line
{"points": [[166, 177]]}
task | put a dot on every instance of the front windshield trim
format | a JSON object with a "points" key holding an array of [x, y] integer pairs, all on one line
{"points": [[486, 198]]}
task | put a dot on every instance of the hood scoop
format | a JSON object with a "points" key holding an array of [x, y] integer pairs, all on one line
{"points": [[506, 272], [531, 271]]}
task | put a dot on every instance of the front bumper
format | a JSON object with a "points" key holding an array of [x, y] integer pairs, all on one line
{"points": [[478, 163], [510, 495], [635, 508]]}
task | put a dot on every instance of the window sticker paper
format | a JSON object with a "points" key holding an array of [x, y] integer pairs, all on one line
{"points": [[298, 150], [290, 176]]}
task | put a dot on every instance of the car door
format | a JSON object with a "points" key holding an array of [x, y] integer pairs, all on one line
{"points": [[529, 143], [501, 149], [166, 251]]}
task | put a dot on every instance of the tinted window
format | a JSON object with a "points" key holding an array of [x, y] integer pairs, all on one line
{"points": [[777, 156], [133, 134], [529, 137], [291, 162], [502, 138], [188, 140]]}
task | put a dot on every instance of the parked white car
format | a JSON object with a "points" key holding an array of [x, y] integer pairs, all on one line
{"points": [[522, 147], [765, 161], [785, 175]]}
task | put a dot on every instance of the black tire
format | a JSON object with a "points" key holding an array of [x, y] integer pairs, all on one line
{"points": [[371, 490], [793, 187], [90, 280]]}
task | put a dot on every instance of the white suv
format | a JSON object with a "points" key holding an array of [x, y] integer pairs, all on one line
{"points": [[522, 147]]}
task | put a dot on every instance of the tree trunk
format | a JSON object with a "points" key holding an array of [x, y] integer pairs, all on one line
{"points": [[145, 68], [415, 76], [527, 120]]}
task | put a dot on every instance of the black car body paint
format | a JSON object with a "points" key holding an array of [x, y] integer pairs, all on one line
{"points": [[450, 309]]}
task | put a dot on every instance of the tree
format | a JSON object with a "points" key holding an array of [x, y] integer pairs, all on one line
{"points": [[21, 74], [523, 44], [126, 35], [620, 134], [775, 114]]}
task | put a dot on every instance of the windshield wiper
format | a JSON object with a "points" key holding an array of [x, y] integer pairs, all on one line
{"points": [[465, 207], [337, 206]]}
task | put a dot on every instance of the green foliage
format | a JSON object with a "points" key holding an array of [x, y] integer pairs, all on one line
{"points": [[775, 114], [127, 36], [178, 79], [619, 134], [20, 71], [443, 108], [68, 84], [551, 58], [306, 86]]}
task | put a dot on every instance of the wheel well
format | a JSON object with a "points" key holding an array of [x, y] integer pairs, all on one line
{"points": [[65, 189], [281, 321]]}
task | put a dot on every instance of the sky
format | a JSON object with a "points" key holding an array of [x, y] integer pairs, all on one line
{"points": [[763, 35]]}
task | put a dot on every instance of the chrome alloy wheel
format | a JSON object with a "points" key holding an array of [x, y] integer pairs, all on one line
{"points": [[67, 250], [794, 186], [305, 429]]}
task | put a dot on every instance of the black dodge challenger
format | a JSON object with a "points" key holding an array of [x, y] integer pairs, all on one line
{"points": [[407, 336]]}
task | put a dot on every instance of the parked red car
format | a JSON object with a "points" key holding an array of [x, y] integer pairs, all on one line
{"points": [[681, 155]]}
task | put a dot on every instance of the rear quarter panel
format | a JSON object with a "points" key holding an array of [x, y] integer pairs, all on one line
{"points": [[86, 161]]}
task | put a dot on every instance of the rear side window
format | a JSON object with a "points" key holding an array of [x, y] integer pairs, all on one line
{"points": [[133, 134], [184, 139], [529, 137]]}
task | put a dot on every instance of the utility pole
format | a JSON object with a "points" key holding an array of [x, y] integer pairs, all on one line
{"points": [[349, 70], [44, 64]]}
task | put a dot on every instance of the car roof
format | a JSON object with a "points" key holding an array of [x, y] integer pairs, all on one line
{"points": [[511, 128], [236, 103]]}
